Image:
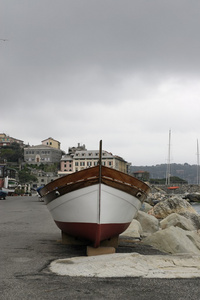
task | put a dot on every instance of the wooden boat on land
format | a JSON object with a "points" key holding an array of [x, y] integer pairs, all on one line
{"points": [[95, 204]]}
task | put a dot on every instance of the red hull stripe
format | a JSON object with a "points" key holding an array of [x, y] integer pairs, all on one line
{"points": [[91, 231]]}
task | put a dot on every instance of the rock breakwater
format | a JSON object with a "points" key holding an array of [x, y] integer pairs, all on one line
{"points": [[171, 225]]}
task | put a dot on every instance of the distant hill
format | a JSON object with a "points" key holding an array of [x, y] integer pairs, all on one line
{"points": [[185, 171]]}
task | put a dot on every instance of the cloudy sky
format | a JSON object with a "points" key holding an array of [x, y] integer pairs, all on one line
{"points": [[124, 71]]}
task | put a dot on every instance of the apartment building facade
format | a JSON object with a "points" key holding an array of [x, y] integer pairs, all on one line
{"points": [[82, 159]]}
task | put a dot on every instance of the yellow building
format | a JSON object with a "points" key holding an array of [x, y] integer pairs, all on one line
{"points": [[51, 143]]}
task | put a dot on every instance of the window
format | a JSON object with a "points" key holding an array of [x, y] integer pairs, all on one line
{"points": [[82, 163], [76, 164]]}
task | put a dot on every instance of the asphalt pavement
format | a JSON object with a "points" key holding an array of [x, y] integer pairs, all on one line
{"points": [[29, 241]]}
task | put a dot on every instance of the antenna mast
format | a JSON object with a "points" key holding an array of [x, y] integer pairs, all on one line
{"points": [[168, 161]]}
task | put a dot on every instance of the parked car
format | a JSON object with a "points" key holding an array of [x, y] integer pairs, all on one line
{"points": [[2, 195]]}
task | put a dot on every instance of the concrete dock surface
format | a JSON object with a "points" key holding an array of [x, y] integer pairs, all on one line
{"points": [[31, 243]]}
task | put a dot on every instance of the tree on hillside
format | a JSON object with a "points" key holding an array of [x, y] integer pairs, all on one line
{"points": [[173, 180], [12, 153], [25, 176]]}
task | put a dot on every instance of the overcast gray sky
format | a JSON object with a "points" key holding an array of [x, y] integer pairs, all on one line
{"points": [[124, 71]]}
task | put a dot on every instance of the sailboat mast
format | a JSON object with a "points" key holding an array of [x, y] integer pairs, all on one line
{"points": [[168, 161], [197, 162]]}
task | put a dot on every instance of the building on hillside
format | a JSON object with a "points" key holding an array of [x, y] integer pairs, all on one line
{"points": [[51, 143], [72, 150], [77, 160], [142, 175], [43, 178], [42, 154], [6, 140], [66, 165]]}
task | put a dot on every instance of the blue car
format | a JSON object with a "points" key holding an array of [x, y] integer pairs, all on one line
{"points": [[2, 195]]}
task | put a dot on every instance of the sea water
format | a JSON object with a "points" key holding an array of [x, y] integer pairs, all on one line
{"points": [[196, 206]]}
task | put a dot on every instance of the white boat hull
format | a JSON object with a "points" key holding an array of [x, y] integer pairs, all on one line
{"points": [[81, 214], [82, 206], [94, 204]]}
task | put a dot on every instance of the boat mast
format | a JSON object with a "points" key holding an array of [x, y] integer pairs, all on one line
{"points": [[168, 161], [100, 164], [100, 159], [197, 162]]}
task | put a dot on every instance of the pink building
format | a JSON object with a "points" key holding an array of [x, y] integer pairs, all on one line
{"points": [[66, 164]]}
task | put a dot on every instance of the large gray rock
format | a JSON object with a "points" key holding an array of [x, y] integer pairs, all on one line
{"points": [[172, 205], [145, 207], [174, 240], [192, 197], [134, 230], [177, 220], [193, 217], [149, 223], [153, 198]]}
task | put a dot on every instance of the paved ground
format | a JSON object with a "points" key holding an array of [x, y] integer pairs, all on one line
{"points": [[30, 240]]}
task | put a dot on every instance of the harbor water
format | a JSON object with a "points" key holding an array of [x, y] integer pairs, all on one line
{"points": [[196, 206]]}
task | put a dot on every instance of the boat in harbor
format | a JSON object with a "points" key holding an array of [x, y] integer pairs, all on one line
{"points": [[94, 204]]}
